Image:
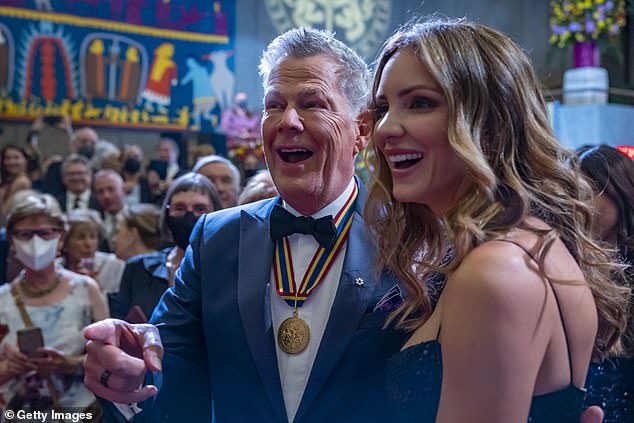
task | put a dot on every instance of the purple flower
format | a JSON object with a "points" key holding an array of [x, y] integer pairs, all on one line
{"points": [[614, 29], [558, 29], [609, 5], [574, 26], [590, 26]]}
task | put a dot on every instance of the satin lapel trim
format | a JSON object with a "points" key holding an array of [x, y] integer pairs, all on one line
{"points": [[348, 308], [256, 256]]}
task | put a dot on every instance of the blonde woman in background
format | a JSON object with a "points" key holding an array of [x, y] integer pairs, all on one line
{"points": [[138, 231], [80, 251], [56, 300]]}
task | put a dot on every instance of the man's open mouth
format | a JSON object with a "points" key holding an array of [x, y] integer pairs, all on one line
{"points": [[294, 155]]}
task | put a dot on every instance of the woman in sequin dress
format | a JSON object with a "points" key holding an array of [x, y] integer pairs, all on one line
{"points": [[467, 162], [611, 173]]}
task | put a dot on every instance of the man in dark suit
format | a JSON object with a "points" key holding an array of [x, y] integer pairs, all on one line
{"points": [[276, 311], [77, 180], [225, 329]]}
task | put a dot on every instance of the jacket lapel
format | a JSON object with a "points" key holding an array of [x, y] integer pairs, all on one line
{"points": [[348, 308], [256, 257]]}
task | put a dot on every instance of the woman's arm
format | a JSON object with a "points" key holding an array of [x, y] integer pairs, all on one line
{"points": [[493, 340], [97, 302]]}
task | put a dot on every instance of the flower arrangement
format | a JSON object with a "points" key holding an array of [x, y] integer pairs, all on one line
{"points": [[237, 151], [574, 21]]}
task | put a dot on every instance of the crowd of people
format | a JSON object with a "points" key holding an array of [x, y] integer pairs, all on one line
{"points": [[482, 275]]}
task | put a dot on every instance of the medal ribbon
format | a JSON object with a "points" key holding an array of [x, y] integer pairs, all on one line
{"points": [[320, 263]]}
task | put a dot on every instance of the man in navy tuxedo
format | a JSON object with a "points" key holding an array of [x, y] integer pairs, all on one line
{"points": [[277, 311], [235, 326]]}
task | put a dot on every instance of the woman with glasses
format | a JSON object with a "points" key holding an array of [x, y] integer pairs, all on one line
{"points": [[147, 276], [59, 302]]}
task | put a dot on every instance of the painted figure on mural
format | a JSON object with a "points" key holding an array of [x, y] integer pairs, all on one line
{"points": [[130, 77], [203, 96], [222, 78], [95, 71], [46, 65], [163, 74]]}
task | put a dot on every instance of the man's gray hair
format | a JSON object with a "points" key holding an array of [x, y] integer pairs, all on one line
{"points": [[213, 158], [306, 42], [74, 159], [109, 173]]}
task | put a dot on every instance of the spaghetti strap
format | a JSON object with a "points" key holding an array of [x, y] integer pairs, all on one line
{"points": [[561, 316]]}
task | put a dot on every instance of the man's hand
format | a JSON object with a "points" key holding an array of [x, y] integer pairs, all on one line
{"points": [[127, 352], [592, 414]]}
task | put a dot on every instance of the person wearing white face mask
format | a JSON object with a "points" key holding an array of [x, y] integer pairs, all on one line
{"points": [[59, 302]]}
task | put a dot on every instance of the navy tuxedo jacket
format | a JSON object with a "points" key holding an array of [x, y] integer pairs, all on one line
{"points": [[215, 324]]}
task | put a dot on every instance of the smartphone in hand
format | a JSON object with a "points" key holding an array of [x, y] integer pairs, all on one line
{"points": [[29, 341]]}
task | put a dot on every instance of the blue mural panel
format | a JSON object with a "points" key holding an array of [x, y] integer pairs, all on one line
{"points": [[132, 63]]}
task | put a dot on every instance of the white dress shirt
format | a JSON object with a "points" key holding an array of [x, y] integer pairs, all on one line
{"points": [[110, 223], [295, 368], [84, 200]]}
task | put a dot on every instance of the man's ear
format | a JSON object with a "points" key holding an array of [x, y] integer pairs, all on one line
{"points": [[364, 126]]}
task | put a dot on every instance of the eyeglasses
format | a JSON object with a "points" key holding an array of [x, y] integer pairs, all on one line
{"points": [[178, 210], [27, 234]]}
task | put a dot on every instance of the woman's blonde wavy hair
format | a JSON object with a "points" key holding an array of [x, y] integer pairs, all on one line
{"points": [[515, 167]]}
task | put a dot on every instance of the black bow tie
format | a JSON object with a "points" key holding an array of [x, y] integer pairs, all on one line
{"points": [[284, 223]]}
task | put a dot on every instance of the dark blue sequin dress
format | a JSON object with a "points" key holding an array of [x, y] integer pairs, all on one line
{"points": [[414, 380], [611, 386]]}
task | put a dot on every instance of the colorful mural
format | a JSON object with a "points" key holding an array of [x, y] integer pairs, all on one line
{"points": [[159, 64]]}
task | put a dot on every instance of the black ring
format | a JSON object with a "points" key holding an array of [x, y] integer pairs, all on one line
{"points": [[104, 377]]}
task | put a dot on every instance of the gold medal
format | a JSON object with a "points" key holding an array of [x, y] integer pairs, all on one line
{"points": [[293, 334]]}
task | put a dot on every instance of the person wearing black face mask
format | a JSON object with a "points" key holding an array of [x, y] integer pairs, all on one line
{"points": [[88, 151], [147, 276], [132, 165], [135, 185], [181, 227]]}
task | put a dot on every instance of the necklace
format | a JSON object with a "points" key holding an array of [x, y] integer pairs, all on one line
{"points": [[33, 293]]}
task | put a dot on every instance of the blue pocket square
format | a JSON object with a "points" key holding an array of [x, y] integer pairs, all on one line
{"points": [[390, 301]]}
